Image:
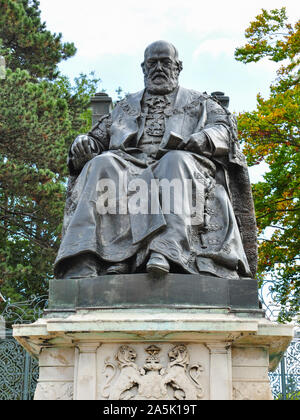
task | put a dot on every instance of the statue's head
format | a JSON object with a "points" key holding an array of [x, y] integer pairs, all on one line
{"points": [[126, 356], [161, 67]]}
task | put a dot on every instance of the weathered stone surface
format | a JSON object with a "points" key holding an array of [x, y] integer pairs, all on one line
{"points": [[96, 354], [162, 371], [56, 376], [54, 391], [248, 372]]}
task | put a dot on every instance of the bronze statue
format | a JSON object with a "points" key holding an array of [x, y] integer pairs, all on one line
{"points": [[164, 133]]}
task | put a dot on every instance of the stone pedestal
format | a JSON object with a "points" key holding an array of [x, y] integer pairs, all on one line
{"points": [[171, 351]]}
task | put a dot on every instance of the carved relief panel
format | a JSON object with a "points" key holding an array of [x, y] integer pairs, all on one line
{"points": [[156, 371]]}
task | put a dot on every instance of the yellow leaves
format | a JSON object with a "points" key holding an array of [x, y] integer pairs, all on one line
{"points": [[277, 113], [271, 133], [281, 205]]}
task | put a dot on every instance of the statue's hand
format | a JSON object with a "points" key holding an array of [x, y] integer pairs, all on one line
{"points": [[82, 150], [197, 143], [83, 147]]}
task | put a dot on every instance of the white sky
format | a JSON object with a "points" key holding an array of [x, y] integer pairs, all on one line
{"points": [[111, 36]]}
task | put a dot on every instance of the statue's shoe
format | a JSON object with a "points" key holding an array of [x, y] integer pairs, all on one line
{"points": [[157, 264], [118, 268], [80, 266]]}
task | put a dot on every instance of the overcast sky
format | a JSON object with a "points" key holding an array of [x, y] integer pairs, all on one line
{"points": [[111, 36]]}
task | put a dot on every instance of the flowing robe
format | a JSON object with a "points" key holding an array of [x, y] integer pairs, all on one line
{"points": [[209, 243]]}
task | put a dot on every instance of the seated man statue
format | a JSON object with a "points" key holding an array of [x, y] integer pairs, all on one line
{"points": [[162, 135]]}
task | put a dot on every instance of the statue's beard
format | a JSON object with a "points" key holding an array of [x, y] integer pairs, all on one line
{"points": [[162, 84]]}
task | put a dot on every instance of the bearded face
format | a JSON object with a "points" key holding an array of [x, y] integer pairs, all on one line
{"points": [[161, 68]]}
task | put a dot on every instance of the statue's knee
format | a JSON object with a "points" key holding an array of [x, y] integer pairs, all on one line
{"points": [[174, 157], [105, 159]]}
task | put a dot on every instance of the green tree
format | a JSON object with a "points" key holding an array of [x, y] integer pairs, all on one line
{"points": [[270, 133], [40, 114], [26, 43]]}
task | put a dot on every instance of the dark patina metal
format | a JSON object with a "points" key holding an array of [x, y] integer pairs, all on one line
{"points": [[162, 132]]}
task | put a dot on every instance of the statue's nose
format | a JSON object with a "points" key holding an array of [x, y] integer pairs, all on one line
{"points": [[158, 65]]}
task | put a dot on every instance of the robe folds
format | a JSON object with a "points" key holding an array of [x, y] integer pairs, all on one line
{"points": [[196, 238]]}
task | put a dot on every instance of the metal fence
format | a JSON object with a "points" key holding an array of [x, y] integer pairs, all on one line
{"points": [[285, 380], [19, 371]]}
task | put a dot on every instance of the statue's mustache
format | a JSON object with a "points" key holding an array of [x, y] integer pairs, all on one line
{"points": [[156, 74]]}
